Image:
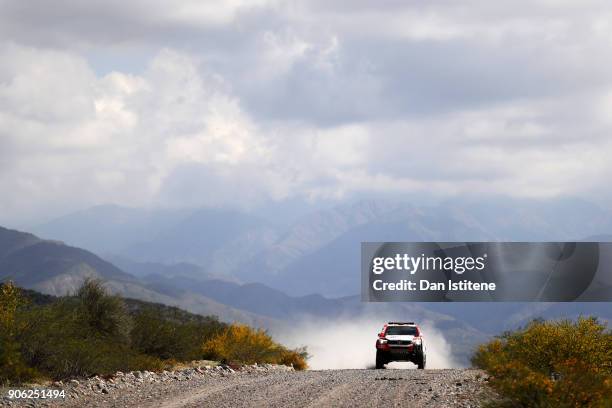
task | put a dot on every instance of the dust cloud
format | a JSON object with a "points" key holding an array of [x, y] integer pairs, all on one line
{"points": [[346, 344]]}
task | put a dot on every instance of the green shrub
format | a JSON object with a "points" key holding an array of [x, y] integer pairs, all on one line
{"points": [[61, 341], [103, 314], [167, 339], [12, 365], [94, 333], [551, 364]]}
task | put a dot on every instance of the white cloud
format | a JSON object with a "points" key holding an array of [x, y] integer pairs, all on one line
{"points": [[242, 103]]}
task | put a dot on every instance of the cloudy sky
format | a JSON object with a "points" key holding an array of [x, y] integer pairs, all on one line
{"points": [[185, 103]]}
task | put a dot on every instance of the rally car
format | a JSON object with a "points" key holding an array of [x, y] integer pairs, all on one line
{"points": [[400, 341]]}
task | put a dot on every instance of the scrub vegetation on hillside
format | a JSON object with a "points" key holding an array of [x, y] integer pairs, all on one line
{"points": [[94, 333], [551, 364]]}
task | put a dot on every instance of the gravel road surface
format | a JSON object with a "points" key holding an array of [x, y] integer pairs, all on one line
{"points": [[338, 388], [332, 388]]}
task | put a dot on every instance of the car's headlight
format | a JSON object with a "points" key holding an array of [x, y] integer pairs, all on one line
{"points": [[417, 341], [382, 341]]}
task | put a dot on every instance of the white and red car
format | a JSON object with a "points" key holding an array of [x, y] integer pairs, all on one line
{"points": [[400, 341]]}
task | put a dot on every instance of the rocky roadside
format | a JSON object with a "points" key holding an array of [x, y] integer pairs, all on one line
{"points": [[80, 392], [274, 387]]}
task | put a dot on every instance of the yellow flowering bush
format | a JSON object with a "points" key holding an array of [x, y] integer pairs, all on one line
{"points": [[551, 364], [243, 344]]}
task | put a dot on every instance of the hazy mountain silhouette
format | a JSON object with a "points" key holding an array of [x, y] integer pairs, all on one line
{"points": [[110, 228], [55, 268], [318, 253]]}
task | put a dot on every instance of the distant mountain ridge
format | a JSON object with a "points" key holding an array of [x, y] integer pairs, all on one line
{"points": [[54, 268], [40, 264], [109, 228], [331, 265], [221, 239], [319, 253]]}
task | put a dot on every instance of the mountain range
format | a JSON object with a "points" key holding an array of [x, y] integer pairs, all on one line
{"points": [[243, 267], [318, 252], [54, 268]]}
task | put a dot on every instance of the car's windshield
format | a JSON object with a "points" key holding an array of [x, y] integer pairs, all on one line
{"points": [[401, 331]]}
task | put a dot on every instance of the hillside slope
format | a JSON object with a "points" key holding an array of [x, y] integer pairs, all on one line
{"points": [[50, 266], [54, 268]]}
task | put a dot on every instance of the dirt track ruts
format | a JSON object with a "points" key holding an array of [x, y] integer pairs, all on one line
{"points": [[330, 388]]}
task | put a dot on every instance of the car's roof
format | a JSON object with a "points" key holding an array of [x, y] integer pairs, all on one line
{"points": [[401, 324]]}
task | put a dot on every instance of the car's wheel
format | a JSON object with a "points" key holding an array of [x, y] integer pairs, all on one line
{"points": [[421, 362], [380, 360]]}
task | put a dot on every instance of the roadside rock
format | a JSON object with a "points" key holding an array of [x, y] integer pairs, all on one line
{"points": [[275, 387], [78, 389]]}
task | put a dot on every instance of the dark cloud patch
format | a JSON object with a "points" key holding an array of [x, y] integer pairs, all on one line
{"points": [[82, 26], [374, 80], [374, 71]]}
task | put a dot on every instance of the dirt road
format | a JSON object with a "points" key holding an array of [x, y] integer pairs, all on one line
{"points": [[333, 388]]}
